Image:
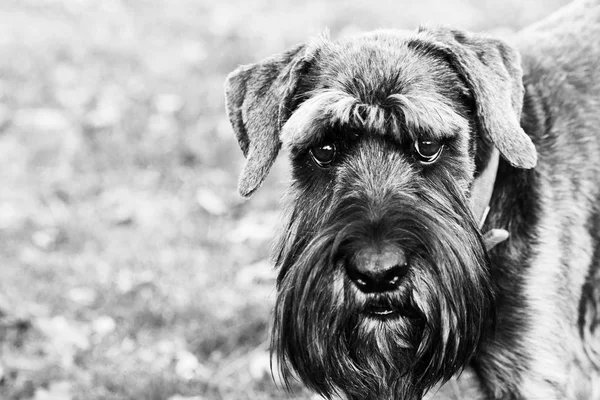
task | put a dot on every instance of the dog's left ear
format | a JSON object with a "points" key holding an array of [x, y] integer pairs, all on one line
{"points": [[258, 99], [492, 70]]}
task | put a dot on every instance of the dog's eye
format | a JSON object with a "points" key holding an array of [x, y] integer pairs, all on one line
{"points": [[428, 150], [324, 154]]}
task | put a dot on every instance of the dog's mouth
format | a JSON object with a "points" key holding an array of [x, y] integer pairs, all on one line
{"points": [[387, 308], [382, 309]]}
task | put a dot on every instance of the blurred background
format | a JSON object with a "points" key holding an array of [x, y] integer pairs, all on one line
{"points": [[129, 266]]}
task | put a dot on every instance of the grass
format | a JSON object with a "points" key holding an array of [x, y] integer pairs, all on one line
{"points": [[130, 269]]}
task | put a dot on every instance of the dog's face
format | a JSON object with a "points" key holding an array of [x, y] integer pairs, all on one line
{"points": [[384, 286]]}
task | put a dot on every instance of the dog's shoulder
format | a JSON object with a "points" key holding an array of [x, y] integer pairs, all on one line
{"points": [[561, 74]]}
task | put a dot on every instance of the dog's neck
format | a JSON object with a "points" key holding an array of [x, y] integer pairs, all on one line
{"points": [[481, 194]]}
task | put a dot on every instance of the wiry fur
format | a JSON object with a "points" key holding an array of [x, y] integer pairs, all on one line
{"points": [[373, 96], [331, 107], [320, 330], [545, 346]]}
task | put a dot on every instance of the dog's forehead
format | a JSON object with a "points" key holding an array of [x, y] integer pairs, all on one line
{"points": [[383, 82], [376, 65]]}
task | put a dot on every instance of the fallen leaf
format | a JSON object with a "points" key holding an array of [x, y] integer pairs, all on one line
{"points": [[127, 345], [194, 52], [125, 280], [103, 326], [260, 365], [42, 119], [24, 363], [256, 227], [259, 272], [178, 397], [56, 391], [109, 108], [122, 215], [66, 337], [210, 202], [168, 103], [161, 125], [10, 216], [187, 365], [66, 75], [82, 295], [45, 239]]}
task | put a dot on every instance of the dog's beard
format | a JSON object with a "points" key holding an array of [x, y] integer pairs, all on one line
{"points": [[323, 332]]}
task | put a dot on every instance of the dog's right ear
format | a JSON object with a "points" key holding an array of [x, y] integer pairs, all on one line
{"points": [[259, 99]]}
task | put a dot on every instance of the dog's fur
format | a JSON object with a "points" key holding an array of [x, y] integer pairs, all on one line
{"points": [[522, 315]]}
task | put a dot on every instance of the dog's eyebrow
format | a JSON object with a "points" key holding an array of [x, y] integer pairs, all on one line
{"points": [[324, 108], [428, 113], [421, 113]]}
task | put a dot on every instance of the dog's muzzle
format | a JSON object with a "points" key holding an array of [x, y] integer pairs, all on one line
{"points": [[388, 291]]}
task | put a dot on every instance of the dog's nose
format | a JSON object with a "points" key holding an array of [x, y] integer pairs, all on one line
{"points": [[376, 271]]}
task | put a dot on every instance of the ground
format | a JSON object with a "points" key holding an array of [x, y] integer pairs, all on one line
{"points": [[129, 266]]}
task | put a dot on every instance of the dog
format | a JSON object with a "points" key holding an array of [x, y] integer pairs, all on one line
{"points": [[444, 208]]}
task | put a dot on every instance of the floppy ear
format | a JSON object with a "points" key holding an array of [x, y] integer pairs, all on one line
{"points": [[258, 99], [492, 70]]}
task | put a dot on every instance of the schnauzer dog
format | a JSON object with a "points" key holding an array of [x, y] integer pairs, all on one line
{"points": [[444, 210]]}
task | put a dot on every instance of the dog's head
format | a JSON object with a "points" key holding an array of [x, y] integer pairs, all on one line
{"points": [[384, 286]]}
